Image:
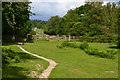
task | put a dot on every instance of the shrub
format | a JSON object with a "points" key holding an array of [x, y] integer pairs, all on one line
{"points": [[60, 46], [84, 45], [104, 54], [65, 43], [110, 51], [91, 51], [9, 56], [69, 44]]}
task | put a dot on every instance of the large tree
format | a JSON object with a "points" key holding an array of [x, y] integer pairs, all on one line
{"points": [[15, 18], [52, 25]]}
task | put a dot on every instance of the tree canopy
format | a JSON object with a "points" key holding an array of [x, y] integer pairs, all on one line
{"points": [[92, 18], [15, 18]]}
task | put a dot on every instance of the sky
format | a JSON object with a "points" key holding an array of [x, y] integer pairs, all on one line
{"points": [[44, 9]]}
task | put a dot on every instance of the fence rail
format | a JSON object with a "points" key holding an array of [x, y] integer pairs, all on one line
{"points": [[56, 37]]}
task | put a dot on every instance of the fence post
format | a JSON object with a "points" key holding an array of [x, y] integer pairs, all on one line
{"points": [[69, 37], [58, 37], [65, 37], [73, 37]]}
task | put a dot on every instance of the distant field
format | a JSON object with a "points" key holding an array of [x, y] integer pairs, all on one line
{"points": [[73, 62], [26, 67]]}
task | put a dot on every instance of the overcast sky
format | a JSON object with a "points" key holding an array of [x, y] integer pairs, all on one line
{"points": [[44, 9]]}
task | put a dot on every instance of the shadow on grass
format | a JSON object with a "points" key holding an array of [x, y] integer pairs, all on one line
{"points": [[13, 72], [114, 47], [25, 56], [8, 43]]}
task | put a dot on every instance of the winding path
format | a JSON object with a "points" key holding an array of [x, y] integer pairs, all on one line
{"points": [[46, 72]]}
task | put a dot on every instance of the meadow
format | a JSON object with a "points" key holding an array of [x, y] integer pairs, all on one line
{"points": [[73, 62]]}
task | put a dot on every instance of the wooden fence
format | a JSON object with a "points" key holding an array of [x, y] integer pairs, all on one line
{"points": [[56, 37]]}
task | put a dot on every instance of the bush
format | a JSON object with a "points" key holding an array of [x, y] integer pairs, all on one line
{"points": [[84, 45], [65, 44], [73, 45], [91, 51], [68, 44], [9, 56], [110, 51], [60, 46], [104, 54]]}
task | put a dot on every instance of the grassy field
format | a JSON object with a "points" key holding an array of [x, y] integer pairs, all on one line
{"points": [[73, 62], [26, 68]]}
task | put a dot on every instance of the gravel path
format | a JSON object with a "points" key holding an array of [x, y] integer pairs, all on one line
{"points": [[46, 72]]}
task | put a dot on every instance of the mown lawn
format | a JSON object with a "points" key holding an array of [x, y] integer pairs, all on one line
{"points": [[26, 68], [73, 62]]}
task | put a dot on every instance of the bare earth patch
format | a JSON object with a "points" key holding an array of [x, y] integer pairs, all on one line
{"points": [[110, 71]]}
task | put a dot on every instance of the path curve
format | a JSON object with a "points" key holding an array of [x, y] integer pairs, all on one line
{"points": [[46, 72]]}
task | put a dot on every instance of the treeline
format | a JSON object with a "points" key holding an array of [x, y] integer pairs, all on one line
{"points": [[15, 20], [90, 19], [38, 23]]}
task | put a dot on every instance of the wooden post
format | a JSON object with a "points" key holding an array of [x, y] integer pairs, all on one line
{"points": [[58, 37], [65, 37], [69, 37], [73, 37]]}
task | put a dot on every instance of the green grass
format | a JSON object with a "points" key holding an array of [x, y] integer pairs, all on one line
{"points": [[73, 62], [27, 64]]}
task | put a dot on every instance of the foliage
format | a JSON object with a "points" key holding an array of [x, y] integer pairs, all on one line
{"points": [[100, 38], [33, 32], [110, 53], [60, 46], [84, 45], [104, 54], [65, 44], [9, 56], [51, 27], [30, 38], [68, 44], [38, 23], [15, 19], [22, 69], [91, 19]]}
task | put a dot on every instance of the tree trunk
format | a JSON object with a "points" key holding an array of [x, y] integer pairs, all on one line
{"points": [[13, 38]]}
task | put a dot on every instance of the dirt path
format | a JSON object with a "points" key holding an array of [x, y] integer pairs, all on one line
{"points": [[46, 72]]}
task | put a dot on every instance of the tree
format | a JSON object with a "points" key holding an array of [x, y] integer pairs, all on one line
{"points": [[52, 25], [69, 20], [15, 19], [110, 17], [78, 29], [38, 23], [119, 24]]}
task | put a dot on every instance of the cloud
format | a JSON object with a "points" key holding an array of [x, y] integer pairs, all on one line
{"points": [[57, 0], [44, 10]]}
